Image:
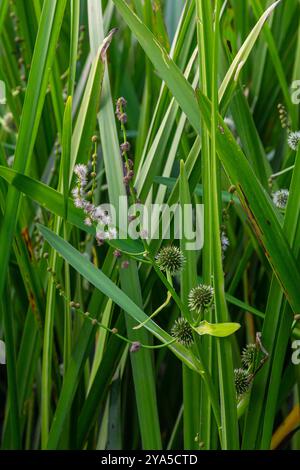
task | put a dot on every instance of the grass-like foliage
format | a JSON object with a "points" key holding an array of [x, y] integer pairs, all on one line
{"points": [[116, 339]]}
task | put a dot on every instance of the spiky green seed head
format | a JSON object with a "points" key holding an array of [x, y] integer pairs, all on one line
{"points": [[249, 355], [201, 297], [280, 198], [293, 140], [182, 332], [241, 381], [170, 258]]}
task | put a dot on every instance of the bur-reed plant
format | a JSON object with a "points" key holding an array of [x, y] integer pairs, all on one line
{"points": [[112, 342]]}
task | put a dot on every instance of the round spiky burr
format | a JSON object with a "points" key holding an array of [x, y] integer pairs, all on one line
{"points": [[241, 381], [249, 355], [280, 198], [201, 298], [171, 259], [293, 140], [182, 332]]}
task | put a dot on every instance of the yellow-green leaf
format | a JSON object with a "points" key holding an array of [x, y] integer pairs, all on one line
{"points": [[221, 330]]}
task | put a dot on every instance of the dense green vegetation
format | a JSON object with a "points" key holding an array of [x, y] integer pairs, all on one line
{"points": [[140, 342]]}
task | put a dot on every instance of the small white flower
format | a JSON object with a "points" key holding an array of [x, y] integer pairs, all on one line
{"points": [[80, 171], [224, 242], [79, 203], [88, 221], [89, 208], [77, 192], [98, 214], [92, 213], [112, 233], [105, 219], [293, 140], [280, 198], [100, 237]]}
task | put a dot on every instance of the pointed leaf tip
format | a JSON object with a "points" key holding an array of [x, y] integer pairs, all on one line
{"points": [[220, 330], [106, 43]]}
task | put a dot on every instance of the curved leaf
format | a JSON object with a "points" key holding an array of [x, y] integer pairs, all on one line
{"points": [[220, 330]]}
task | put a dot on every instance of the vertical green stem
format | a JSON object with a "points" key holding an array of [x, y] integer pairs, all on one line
{"points": [[63, 187], [191, 381], [230, 439], [47, 347], [13, 400], [73, 45], [67, 313], [142, 366], [204, 19]]}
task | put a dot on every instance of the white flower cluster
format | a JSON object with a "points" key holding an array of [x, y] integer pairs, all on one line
{"points": [[293, 140], [280, 198], [224, 243], [94, 214]]}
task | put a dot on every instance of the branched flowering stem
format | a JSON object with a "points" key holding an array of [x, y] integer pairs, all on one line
{"points": [[125, 153], [120, 113], [141, 253], [160, 308], [94, 321], [81, 172], [137, 258]]}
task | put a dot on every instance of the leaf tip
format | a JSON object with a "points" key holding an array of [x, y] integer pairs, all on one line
{"points": [[106, 43]]}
